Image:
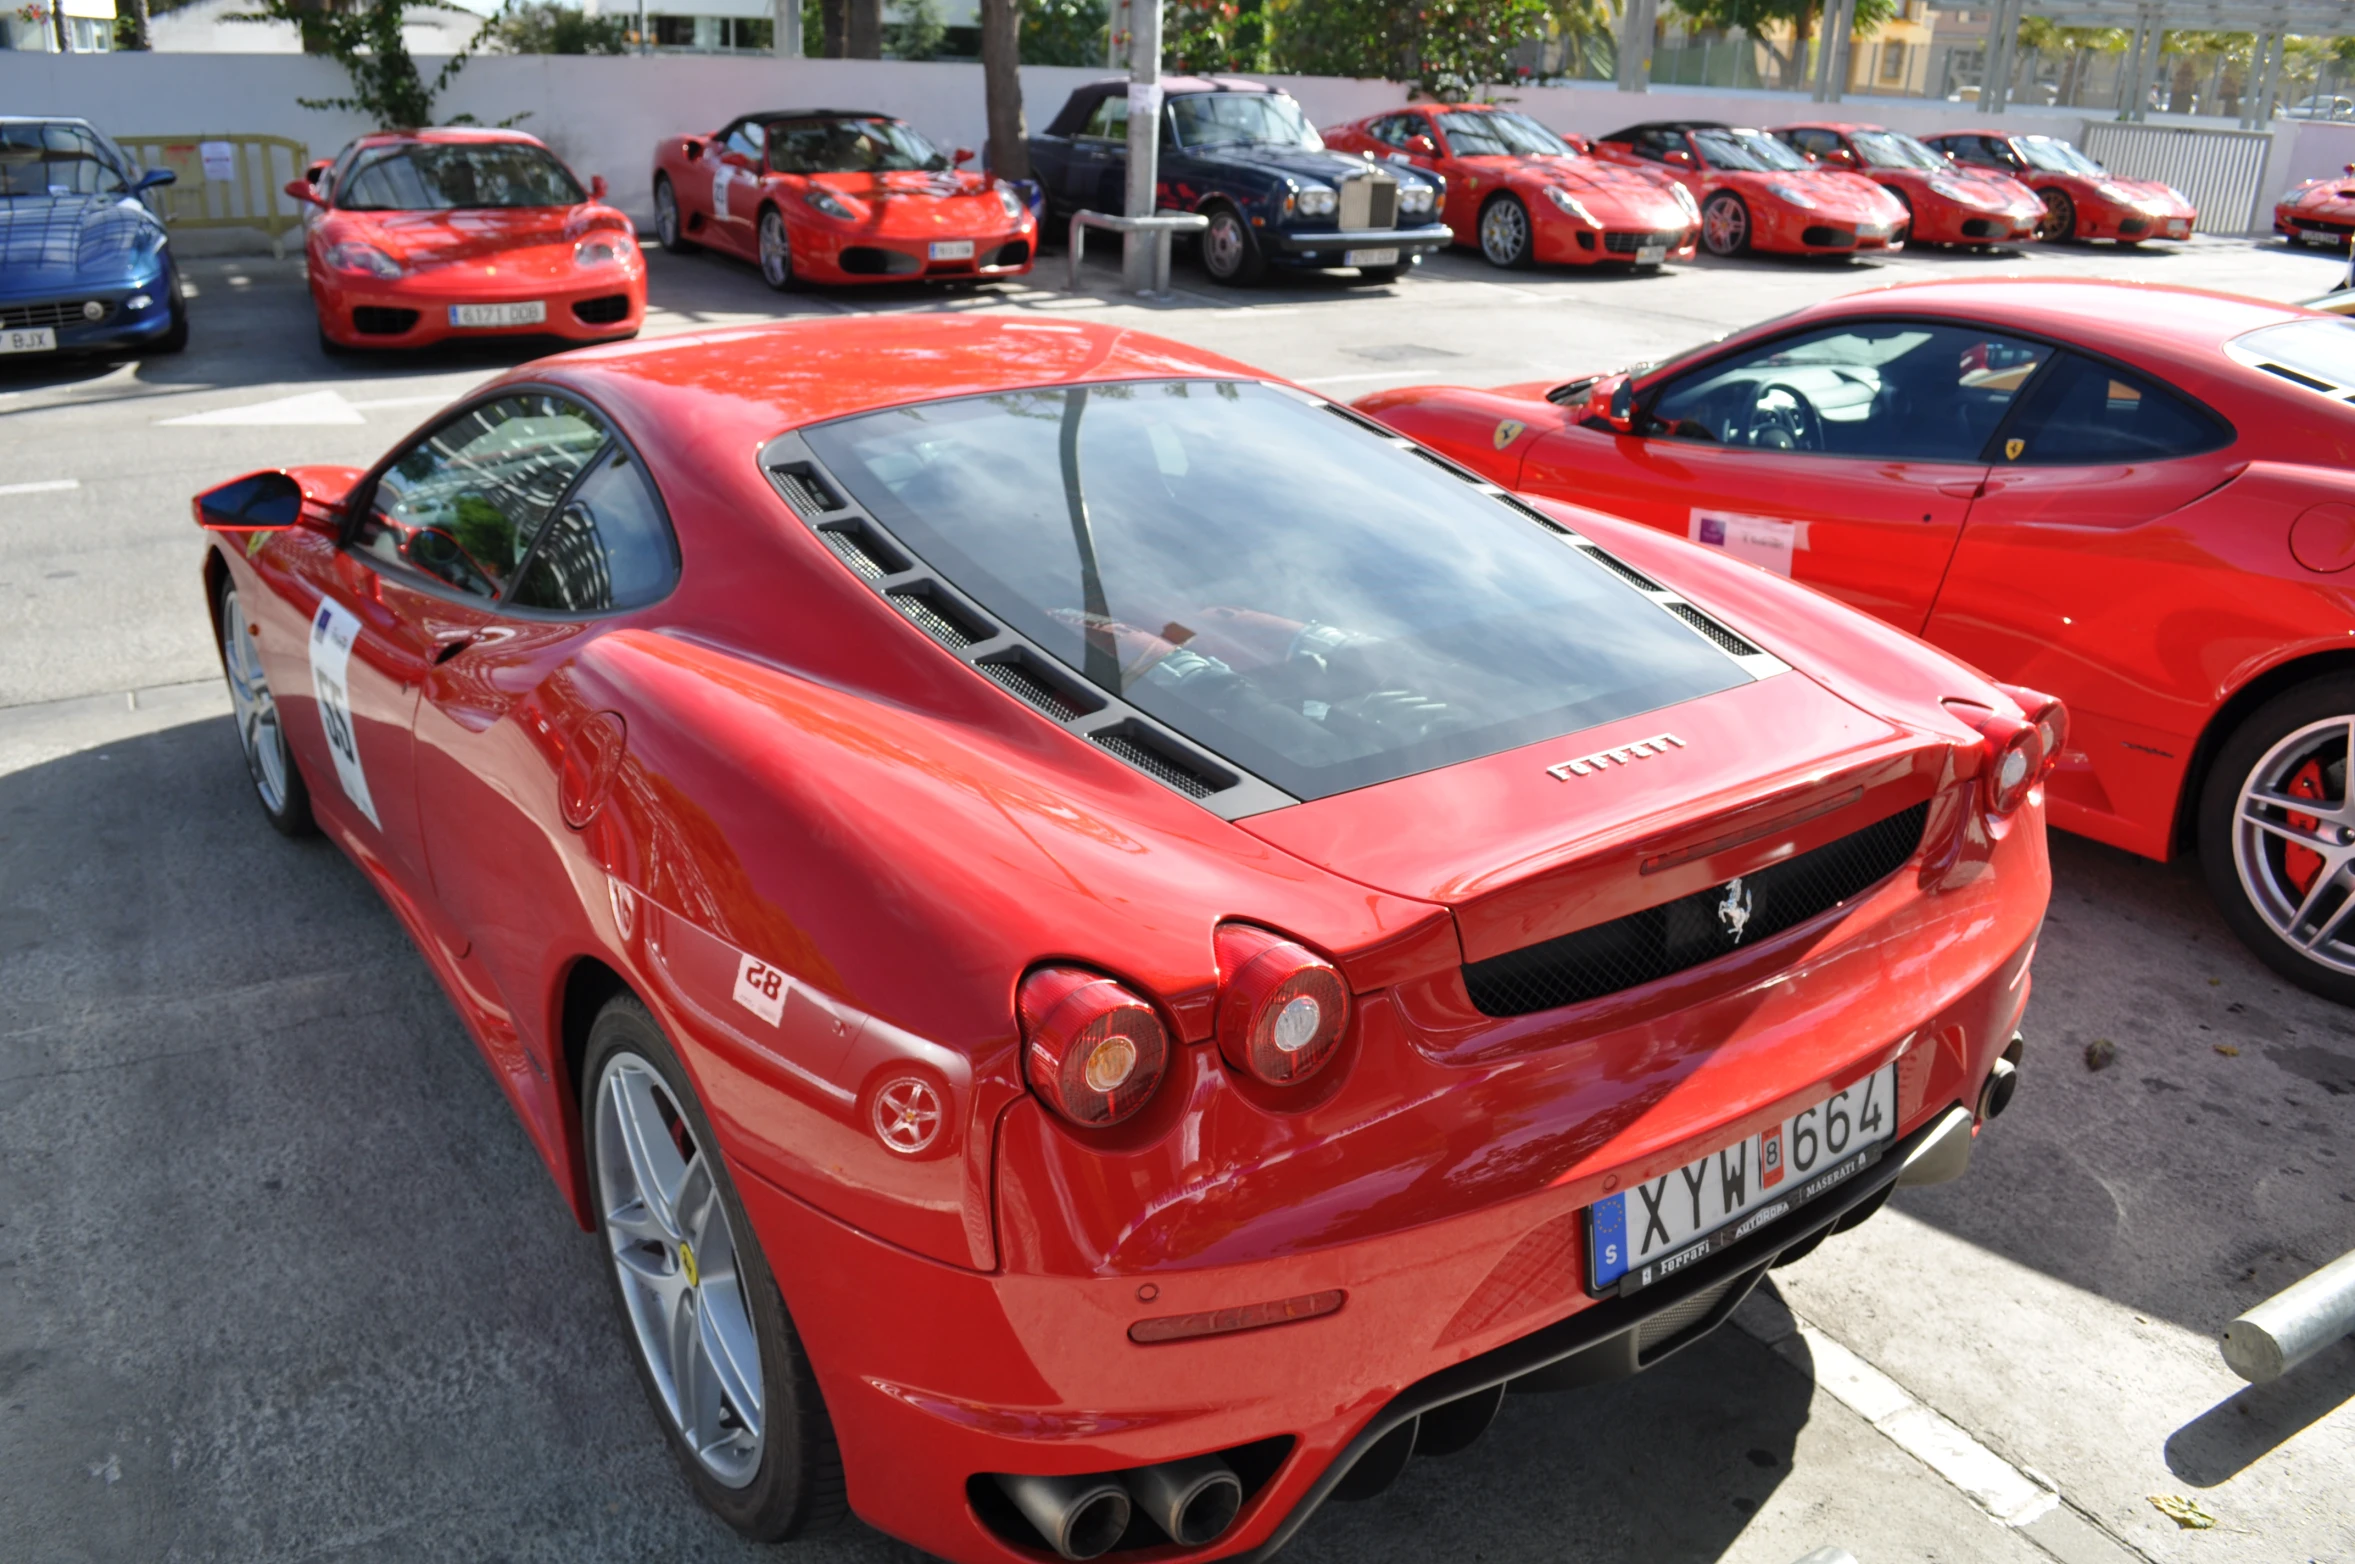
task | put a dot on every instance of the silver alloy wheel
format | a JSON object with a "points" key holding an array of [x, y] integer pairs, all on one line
{"points": [[2274, 848], [675, 1254], [666, 214], [776, 250], [1725, 225], [255, 709], [1222, 246], [1504, 232]]}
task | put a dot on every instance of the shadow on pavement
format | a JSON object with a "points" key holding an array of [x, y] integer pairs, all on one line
{"points": [[2241, 1430]]}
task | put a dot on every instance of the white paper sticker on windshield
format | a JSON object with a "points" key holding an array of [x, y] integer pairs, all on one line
{"points": [[333, 629], [1760, 540]]}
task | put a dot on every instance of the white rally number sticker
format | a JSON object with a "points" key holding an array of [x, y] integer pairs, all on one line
{"points": [[721, 177], [333, 629], [760, 988], [1762, 540]]}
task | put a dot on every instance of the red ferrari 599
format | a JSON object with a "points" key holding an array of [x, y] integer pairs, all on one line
{"points": [[1110, 949]]}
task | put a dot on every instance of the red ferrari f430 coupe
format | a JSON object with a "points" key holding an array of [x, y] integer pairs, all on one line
{"points": [[2082, 199], [1756, 193], [1109, 948], [2133, 496], [837, 196], [1945, 202], [417, 237], [2319, 211]]}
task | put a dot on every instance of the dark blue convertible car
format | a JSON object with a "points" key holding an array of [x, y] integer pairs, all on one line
{"points": [[1243, 155], [84, 265]]}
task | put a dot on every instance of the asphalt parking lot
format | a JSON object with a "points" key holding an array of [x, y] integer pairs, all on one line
{"points": [[281, 1279]]}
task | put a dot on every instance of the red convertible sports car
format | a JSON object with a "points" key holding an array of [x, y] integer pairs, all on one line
{"points": [[418, 236], [1755, 193], [931, 821], [1523, 194], [2082, 199], [1945, 203], [2320, 211], [838, 196], [2134, 496]]}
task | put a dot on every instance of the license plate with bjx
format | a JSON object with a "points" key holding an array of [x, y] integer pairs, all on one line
{"points": [[1652, 1231], [532, 313], [1369, 257], [29, 339]]}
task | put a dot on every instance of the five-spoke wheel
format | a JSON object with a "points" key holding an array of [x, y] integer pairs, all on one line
{"points": [[1725, 224], [2277, 835], [1504, 231], [669, 227], [276, 781], [776, 250]]}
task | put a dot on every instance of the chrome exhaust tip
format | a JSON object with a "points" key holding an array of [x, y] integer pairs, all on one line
{"points": [[1944, 1153], [1081, 1517], [1996, 1095], [1193, 1501]]}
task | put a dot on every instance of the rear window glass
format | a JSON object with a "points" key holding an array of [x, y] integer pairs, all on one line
{"points": [[2322, 350], [1286, 588], [2086, 412]]}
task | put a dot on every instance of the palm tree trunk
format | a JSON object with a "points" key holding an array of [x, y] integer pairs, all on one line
{"points": [[866, 29], [1008, 152]]}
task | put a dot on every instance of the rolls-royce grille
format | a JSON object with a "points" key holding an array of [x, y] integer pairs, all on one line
{"points": [[1369, 201], [57, 312], [1628, 244], [1648, 945]]}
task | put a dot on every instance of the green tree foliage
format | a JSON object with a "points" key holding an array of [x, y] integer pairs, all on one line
{"points": [[917, 32], [1795, 19], [1449, 48], [1064, 32], [548, 28], [1585, 39], [365, 39], [1219, 35]]}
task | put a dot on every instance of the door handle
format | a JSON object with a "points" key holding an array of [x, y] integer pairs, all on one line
{"points": [[452, 644]]}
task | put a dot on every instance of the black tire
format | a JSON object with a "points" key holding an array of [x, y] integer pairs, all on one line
{"points": [[1230, 252], [175, 337], [2060, 217], [1729, 234], [279, 788], [775, 251], [2286, 744], [1507, 238], [670, 224], [797, 1487]]}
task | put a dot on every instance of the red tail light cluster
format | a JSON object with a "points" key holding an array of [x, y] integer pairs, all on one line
{"points": [[2019, 752], [2050, 717], [1091, 1048], [1282, 1008]]}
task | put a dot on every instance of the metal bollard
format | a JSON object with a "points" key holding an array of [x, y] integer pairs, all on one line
{"points": [[2294, 1324]]}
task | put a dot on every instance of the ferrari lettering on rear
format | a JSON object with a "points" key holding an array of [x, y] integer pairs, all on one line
{"points": [[1623, 755], [333, 630]]}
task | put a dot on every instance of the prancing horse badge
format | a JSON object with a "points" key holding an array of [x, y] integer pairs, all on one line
{"points": [[2012, 449], [1734, 911], [1508, 431]]}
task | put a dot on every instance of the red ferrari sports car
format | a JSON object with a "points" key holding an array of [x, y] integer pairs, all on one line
{"points": [[1755, 193], [1523, 194], [2320, 211], [1944, 202], [2136, 497], [838, 196], [418, 236], [2082, 199], [931, 822]]}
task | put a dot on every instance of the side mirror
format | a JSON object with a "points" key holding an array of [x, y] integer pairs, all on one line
{"points": [[1611, 400], [152, 178], [1840, 157], [962, 156], [1679, 158], [2350, 168], [597, 187], [693, 149], [257, 502], [302, 190], [1422, 146]]}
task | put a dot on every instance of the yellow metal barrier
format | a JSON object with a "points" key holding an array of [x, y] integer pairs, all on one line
{"points": [[227, 181]]}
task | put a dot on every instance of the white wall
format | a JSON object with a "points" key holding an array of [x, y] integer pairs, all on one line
{"points": [[603, 114]]}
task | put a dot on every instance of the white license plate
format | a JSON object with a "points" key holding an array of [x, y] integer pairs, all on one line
{"points": [[2326, 240], [1649, 1233], [952, 249], [1651, 254], [2178, 230], [1369, 257], [30, 339], [532, 313]]}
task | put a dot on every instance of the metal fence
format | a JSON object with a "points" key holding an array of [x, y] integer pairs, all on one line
{"points": [[227, 181], [2221, 171]]}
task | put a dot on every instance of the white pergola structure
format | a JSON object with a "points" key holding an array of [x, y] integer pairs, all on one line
{"points": [[2272, 21]]}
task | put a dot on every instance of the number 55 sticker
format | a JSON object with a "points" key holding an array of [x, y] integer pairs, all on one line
{"points": [[760, 988]]}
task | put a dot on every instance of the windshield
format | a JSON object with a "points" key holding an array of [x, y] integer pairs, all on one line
{"points": [[1894, 149], [849, 145], [2056, 157], [1217, 119], [1285, 587], [1751, 150], [1500, 135], [54, 160], [443, 176]]}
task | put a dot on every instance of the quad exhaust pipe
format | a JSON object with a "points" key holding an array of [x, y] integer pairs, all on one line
{"points": [[1192, 1501]]}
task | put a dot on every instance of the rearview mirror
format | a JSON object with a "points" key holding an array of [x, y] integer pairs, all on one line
{"points": [[597, 187], [301, 190], [152, 178], [1611, 400], [1422, 146], [1680, 158], [257, 502]]}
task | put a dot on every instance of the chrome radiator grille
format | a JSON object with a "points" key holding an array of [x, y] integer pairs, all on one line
{"points": [[1369, 201]]}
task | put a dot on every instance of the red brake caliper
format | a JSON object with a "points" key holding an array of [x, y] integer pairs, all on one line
{"points": [[2302, 864]]}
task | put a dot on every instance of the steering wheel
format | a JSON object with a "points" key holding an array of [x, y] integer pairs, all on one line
{"points": [[1782, 419]]}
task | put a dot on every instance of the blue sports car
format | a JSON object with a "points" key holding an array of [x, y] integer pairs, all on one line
{"points": [[85, 267]]}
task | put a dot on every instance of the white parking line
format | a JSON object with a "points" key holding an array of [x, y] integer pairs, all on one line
{"points": [[435, 400], [46, 486]]}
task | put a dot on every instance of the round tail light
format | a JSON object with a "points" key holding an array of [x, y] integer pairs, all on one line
{"points": [[1282, 1008], [2050, 718], [2013, 766], [1091, 1048]]}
